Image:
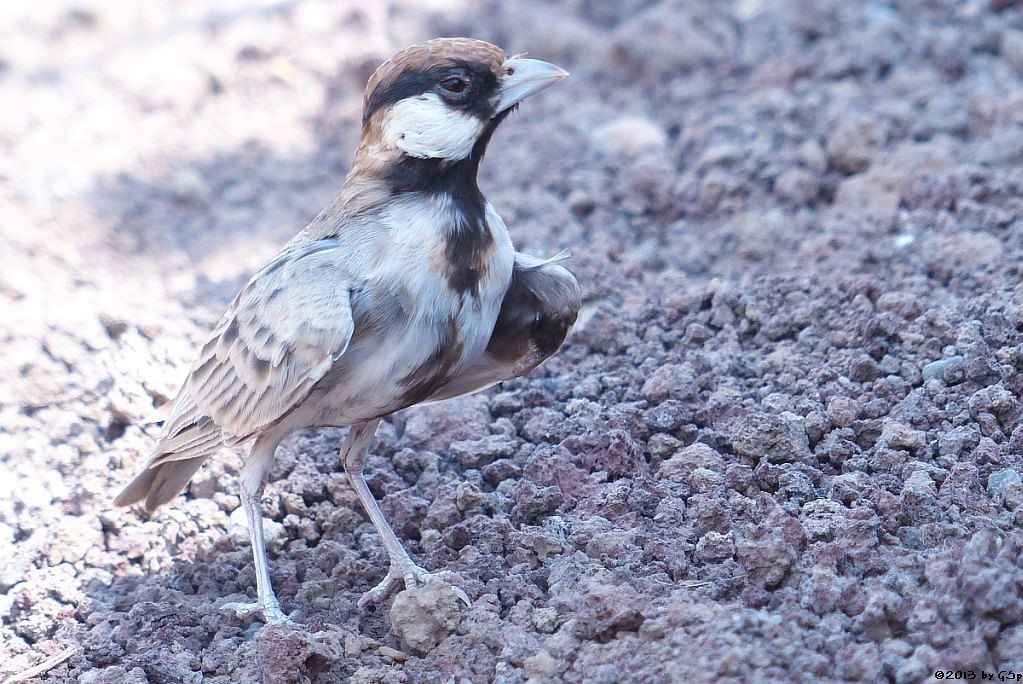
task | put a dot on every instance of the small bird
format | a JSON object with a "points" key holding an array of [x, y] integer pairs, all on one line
{"points": [[404, 290]]}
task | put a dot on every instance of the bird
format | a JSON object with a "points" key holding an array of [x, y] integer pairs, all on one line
{"points": [[404, 290]]}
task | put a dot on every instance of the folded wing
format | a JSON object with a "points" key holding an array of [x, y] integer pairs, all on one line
{"points": [[282, 332]]}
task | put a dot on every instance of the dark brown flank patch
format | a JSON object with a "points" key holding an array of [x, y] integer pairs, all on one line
{"points": [[427, 377]]}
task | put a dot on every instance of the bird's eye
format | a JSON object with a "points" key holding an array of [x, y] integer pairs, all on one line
{"points": [[455, 84]]}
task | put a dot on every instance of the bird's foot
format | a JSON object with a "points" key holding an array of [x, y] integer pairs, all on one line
{"points": [[270, 611], [409, 575]]}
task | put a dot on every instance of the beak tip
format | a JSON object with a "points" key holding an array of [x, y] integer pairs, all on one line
{"points": [[526, 77]]}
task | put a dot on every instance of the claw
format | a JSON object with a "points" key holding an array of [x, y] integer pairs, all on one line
{"points": [[410, 575], [462, 596], [380, 592]]}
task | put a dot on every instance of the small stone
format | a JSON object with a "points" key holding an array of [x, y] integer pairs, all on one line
{"points": [[604, 609], [738, 476], [628, 136], [958, 441], [580, 203], [189, 186], [667, 39], [1000, 479], [855, 142], [918, 667], [545, 619], [1012, 48], [668, 416], [661, 445], [704, 480], [533, 503], [115, 674], [475, 453], [499, 471], [864, 369], [681, 466], [963, 252], [919, 489], [238, 528], [859, 662], [1010, 644], [354, 645], [715, 547], [74, 537], [1012, 496], [811, 155], [541, 666], [899, 436], [797, 185], [842, 411], [779, 438], [671, 380], [468, 497], [424, 616], [944, 369], [506, 403], [721, 154], [393, 653]]}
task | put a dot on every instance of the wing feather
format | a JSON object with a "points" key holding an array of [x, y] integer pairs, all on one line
{"points": [[277, 340]]}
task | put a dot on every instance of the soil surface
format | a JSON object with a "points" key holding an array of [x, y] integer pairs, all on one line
{"points": [[783, 442]]}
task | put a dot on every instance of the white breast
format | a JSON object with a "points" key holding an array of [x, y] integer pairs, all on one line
{"points": [[409, 264]]}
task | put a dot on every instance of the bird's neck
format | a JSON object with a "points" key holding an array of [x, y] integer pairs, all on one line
{"points": [[381, 175]]}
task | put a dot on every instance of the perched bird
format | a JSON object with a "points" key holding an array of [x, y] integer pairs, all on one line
{"points": [[404, 290]]}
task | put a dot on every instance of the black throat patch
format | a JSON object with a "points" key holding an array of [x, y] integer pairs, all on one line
{"points": [[469, 241]]}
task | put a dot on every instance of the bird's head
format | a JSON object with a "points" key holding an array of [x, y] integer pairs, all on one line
{"points": [[441, 100]]}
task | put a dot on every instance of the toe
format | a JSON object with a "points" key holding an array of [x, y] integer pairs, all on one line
{"points": [[241, 609], [380, 592], [277, 617]]}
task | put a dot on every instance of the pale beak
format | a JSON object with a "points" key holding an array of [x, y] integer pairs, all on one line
{"points": [[525, 77]]}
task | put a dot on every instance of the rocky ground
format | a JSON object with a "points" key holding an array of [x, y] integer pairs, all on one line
{"points": [[783, 443]]}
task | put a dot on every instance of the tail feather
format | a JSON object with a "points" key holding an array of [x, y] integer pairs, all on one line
{"points": [[182, 449], [160, 483]]}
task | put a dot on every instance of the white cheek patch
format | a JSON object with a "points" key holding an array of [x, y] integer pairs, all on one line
{"points": [[425, 127]]}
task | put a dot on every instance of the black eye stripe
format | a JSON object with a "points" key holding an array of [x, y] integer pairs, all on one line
{"points": [[481, 85]]}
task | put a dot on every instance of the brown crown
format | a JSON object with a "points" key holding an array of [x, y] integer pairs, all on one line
{"points": [[431, 53]]}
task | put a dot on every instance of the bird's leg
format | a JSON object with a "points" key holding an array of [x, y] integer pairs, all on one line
{"points": [[253, 479], [402, 569]]}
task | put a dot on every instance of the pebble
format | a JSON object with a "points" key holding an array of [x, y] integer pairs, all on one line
{"points": [[1000, 479], [425, 615], [628, 136], [944, 369], [1012, 48]]}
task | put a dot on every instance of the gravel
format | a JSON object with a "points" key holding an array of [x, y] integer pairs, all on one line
{"points": [[783, 442]]}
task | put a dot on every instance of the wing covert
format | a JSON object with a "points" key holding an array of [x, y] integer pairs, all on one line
{"points": [[282, 332]]}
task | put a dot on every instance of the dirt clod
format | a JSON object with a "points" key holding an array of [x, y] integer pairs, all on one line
{"points": [[423, 616]]}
